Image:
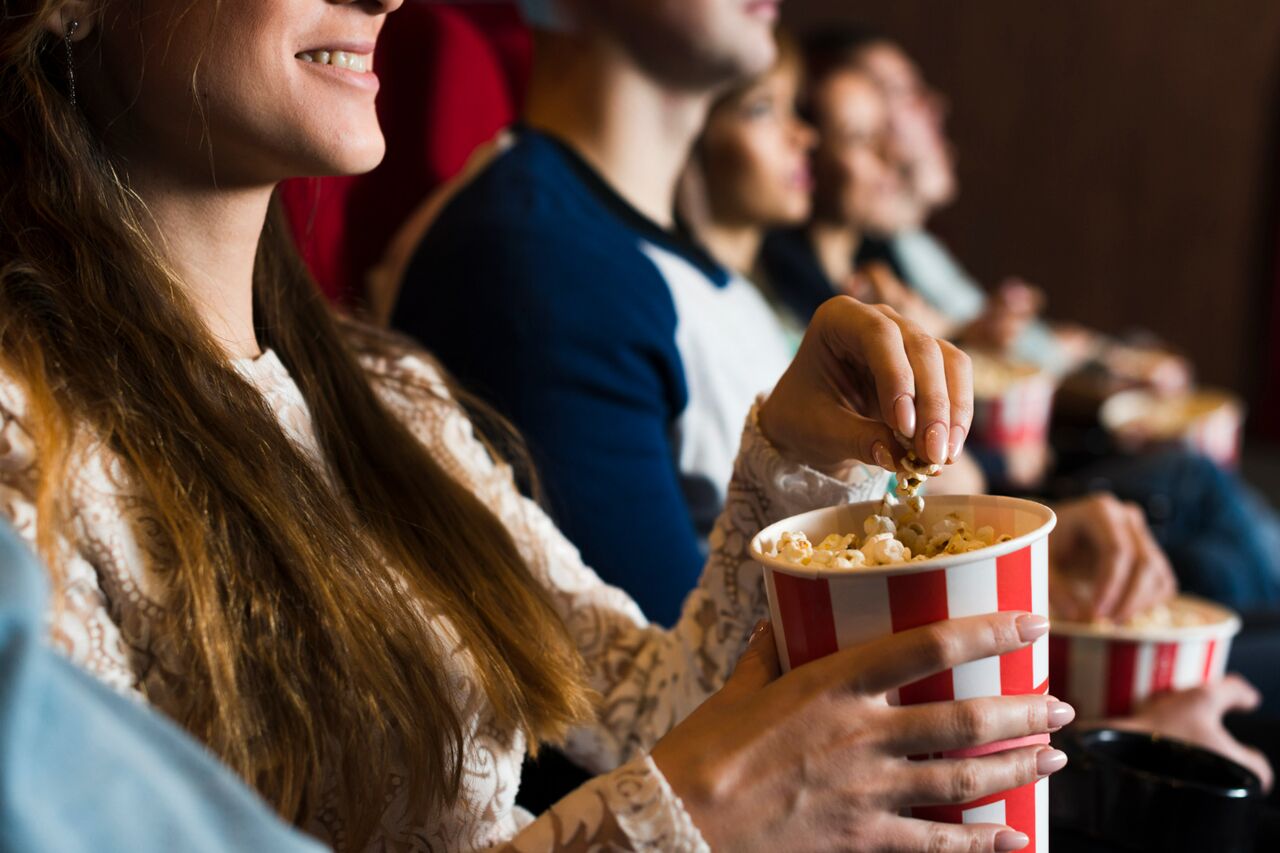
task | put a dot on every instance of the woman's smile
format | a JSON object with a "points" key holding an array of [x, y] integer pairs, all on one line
{"points": [[350, 63]]}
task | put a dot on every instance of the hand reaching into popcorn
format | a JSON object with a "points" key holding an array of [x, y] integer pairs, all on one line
{"points": [[864, 373], [1010, 310], [1104, 562]]}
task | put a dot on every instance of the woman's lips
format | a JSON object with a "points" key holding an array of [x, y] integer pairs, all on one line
{"points": [[802, 179], [766, 10]]}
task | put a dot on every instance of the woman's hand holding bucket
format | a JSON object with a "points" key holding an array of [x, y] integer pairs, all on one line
{"points": [[816, 759]]}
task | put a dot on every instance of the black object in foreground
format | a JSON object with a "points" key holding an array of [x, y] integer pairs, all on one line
{"points": [[1131, 791]]}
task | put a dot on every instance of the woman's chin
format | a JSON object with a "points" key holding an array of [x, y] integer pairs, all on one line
{"points": [[345, 160]]}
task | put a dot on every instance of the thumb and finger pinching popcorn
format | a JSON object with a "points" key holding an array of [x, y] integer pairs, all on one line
{"points": [[895, 535]]}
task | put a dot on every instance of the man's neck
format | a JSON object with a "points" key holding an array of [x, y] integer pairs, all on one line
{"points": [[635, 132], [210, 239], [835, 245], [735, 246]]}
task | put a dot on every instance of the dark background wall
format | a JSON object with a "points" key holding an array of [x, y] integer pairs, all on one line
{"points": [[1120, 153]]}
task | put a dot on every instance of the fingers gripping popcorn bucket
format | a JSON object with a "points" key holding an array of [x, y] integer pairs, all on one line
{"points": [[819, 609], [1106, 670]]}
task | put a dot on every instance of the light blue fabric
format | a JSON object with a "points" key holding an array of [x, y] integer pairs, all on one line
{"points": [[932, 272], [85, 769], [546, 15]]}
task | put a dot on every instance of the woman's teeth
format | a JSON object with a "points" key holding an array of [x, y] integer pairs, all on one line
{"points": [[342, 59]]}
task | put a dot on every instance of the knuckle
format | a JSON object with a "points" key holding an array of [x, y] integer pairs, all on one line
{"points": [[917, 339], [1004, 631], [1107, 503], [880, 323], [976, 722], [940, 840], [934, 400], [1037, 715], [941, 646], [966, 782], [809, 682], [955, 356], [1202, 694]]}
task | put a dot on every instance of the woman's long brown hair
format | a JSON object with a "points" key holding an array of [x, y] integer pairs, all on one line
{"points": [[299, 596]]}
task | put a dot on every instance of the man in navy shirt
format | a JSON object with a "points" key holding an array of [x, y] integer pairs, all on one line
{"points": [[556, 285]]}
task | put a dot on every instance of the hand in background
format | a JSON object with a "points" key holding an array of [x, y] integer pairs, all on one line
{"points": [[1195, 716], [1013, 307], [1104, 563]]}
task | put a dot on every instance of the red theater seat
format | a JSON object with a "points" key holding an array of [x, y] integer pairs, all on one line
{"points": [[452, 76]]}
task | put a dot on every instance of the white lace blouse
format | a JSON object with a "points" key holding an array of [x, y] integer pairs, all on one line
{"points": [[649, 678]]}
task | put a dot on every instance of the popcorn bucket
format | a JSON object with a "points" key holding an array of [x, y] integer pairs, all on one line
{"points": [[1107, 670], [1207, 421], [1012, 406], [817, 611]]}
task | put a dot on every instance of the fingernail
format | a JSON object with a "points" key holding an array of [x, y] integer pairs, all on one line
{"points": [[1009, 840], [1060, 714], [935, 443], [1050, 761], [882, 457], [904, 411], [957, 443], [758, 630], [1032, 627]]}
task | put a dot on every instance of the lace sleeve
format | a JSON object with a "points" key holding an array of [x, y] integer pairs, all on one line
{"points": [[650, 678], [80, 626], [632, 808]]}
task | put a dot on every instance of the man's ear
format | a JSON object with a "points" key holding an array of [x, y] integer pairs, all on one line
{"points": [[82, 12]]}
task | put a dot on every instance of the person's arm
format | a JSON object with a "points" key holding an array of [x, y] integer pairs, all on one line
{"points": [[649, 678], [765, 760], [576, 346]]}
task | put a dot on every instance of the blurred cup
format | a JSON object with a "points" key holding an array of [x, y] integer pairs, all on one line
{"points": [[1013, 403], [1208, 421], [817, 611], [1106, 670]]}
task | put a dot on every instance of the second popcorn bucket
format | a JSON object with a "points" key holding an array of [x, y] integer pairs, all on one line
{"points": [[818, 610]]}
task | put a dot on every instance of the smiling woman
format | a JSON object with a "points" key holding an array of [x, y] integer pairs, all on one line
{"points": [[142, 273]]}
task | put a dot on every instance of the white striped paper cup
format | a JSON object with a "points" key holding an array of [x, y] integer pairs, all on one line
{"points": [[817, 611], [1107, 671], [1207, 420], [1018, 416]]}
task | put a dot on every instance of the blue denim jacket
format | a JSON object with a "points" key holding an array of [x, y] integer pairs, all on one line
{"points": [[85, 769]]}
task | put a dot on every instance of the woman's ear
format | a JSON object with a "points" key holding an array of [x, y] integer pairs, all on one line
{"points": [[75, 17]]}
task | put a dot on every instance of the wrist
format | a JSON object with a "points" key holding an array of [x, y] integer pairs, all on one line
{"points": [[691, 790]]}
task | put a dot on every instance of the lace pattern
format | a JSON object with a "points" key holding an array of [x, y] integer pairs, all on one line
{"points": [[649, 678]]}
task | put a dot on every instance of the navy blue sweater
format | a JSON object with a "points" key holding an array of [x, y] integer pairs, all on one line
{"points": [[533, 291]]}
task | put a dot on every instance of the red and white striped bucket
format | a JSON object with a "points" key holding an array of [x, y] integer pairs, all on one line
{"points": [[1017, 416], [817, 611], [1107, 671], [1208, 421]]}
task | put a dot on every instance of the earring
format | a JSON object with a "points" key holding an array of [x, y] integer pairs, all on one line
{"points": [[71, 65]]}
